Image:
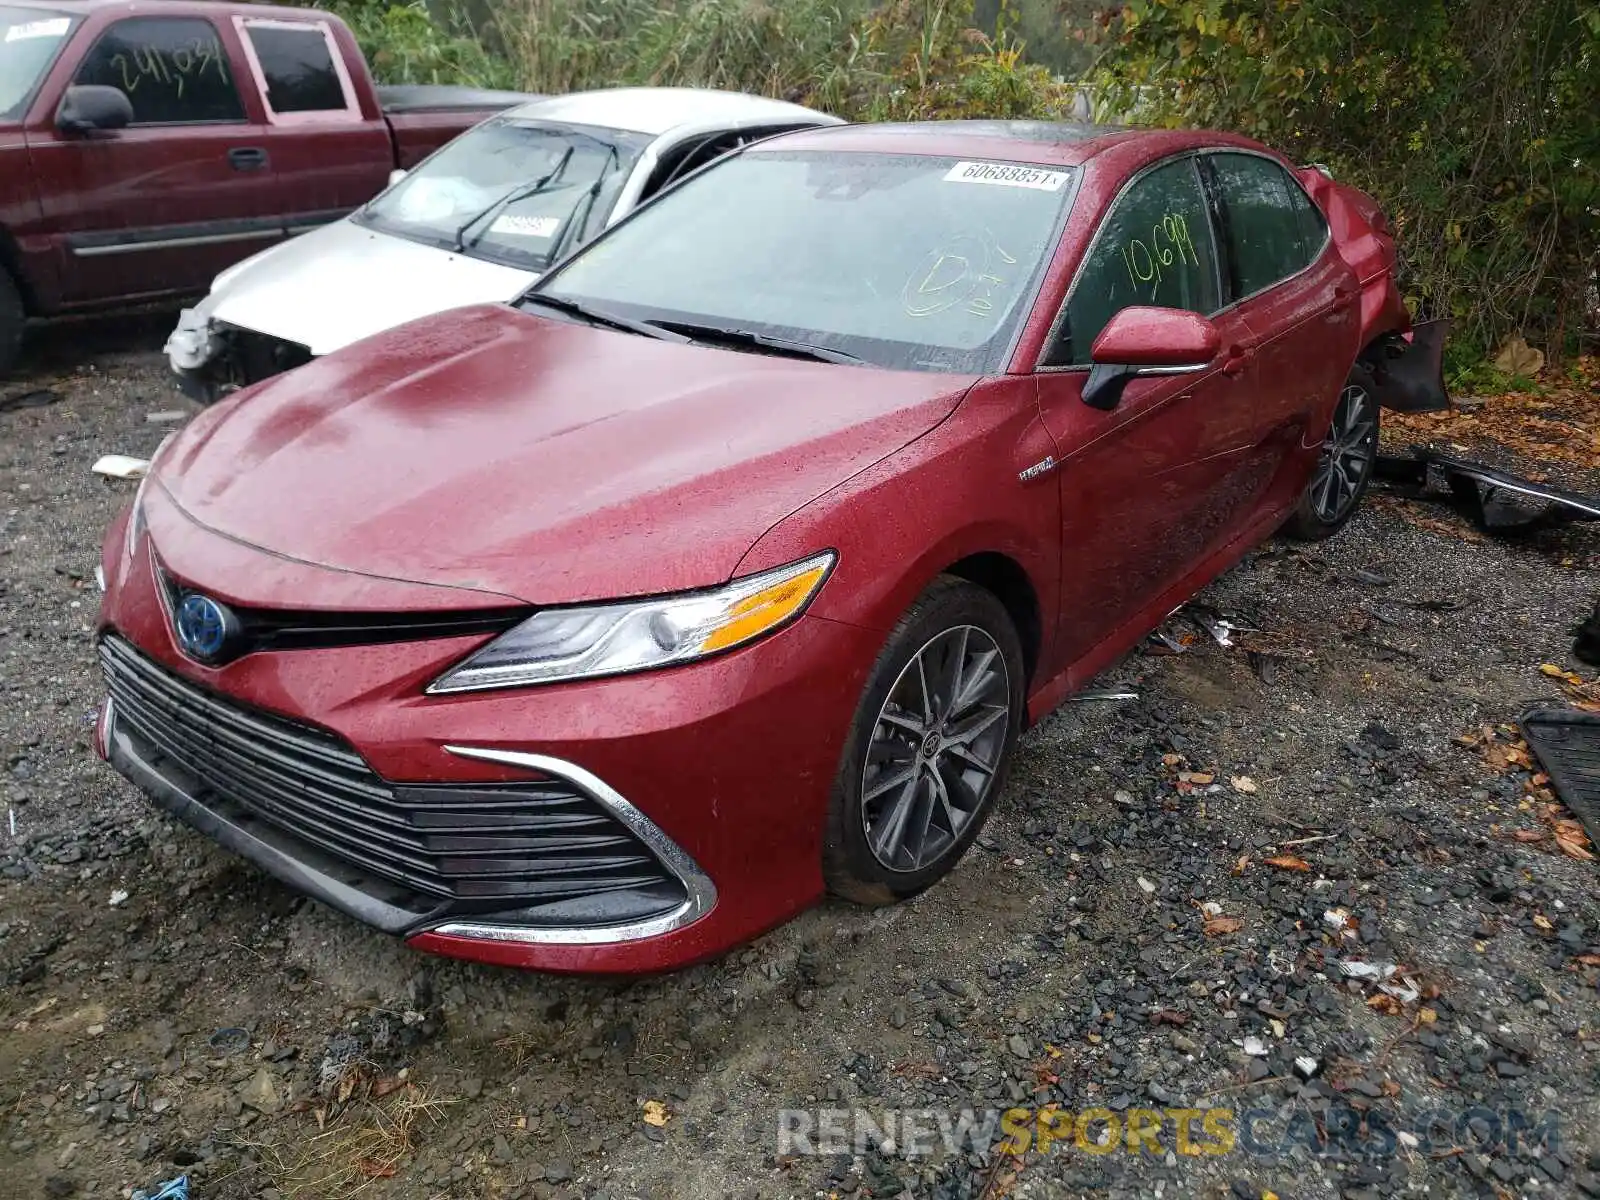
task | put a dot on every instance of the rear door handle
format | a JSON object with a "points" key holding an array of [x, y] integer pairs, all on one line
{"points": [[1343, 299], [247, 158]]}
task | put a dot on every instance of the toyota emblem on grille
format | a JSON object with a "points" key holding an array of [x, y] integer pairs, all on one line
{"points": [[204, 627]]}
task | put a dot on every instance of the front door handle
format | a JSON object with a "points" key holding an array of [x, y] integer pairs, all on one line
{"points": [[1238, 359], [247, 158]]}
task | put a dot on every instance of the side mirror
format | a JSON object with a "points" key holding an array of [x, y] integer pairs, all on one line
{"points": [[90, 108], [396, 175], [1147, 341]]}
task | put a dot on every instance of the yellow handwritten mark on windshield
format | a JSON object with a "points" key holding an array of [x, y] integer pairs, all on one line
{"points": [[1170, 244], [939, 285]]}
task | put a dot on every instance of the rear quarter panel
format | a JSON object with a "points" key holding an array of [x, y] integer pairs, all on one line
{"points": [[1363, 238]]}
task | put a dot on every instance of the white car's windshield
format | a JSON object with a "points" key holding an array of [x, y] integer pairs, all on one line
{"points": [[29, 41], [511, 191], [903, 261]]}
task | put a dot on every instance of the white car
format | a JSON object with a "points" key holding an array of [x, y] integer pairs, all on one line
{"points": [[477, 222]]}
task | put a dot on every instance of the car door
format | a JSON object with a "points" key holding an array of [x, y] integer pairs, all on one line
{"points": [[1149, 487], [1299, 299], [329, 154], [184, 191]]}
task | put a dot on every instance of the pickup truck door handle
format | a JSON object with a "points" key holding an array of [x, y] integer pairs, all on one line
{"points": [[247, 158], [1238, 359]]}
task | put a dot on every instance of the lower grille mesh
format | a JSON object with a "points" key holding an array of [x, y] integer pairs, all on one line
{"points": [[476, 848]]}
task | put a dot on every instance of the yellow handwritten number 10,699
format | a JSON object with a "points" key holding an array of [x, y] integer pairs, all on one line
{"points": [[1169, 245]]}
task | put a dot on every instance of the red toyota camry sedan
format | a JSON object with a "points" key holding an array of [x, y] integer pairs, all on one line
{"points": [[604, 631]]}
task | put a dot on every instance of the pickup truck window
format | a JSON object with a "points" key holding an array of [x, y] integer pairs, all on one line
{"points": [[173, 69], [299, 68], [510, 191], [30, 39]]}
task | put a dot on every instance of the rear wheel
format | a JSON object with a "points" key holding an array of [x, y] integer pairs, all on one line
{"points": [[12, 316], [1344, 468], [928, 752]]}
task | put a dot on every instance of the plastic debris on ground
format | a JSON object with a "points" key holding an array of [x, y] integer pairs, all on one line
{"points": [[172, 1189], [121, 466]]}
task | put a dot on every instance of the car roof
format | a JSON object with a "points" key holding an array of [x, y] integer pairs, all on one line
{"points": [[1057, 143], [170, 8], [655, 110]]}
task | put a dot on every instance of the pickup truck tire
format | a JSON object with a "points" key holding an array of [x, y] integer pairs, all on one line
{"points": [[12, 317]]}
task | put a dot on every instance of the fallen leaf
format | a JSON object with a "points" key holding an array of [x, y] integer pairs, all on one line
{"points": [[1529, 835], [389, 1083], [1243, 783], [1287, 862], [375, 1170], [1427, 1016], [1588, 960], [1201, 778], [1386, 1004], [1217, 926], [1168, 1016], [1542, 922], [655, 1113], [1238, 867]]}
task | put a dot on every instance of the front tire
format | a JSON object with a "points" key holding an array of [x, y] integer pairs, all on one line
{"points": [[12, 317], [929, 748], [1344, 468]]}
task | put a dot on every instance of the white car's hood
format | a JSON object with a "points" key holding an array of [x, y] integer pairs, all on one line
{"points": [[344, 282]]}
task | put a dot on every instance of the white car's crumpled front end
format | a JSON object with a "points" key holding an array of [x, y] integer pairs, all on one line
{"points": [[319, 292]]}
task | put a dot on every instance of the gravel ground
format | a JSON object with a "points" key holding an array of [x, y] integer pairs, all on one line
{"points": [[1117, 942]]}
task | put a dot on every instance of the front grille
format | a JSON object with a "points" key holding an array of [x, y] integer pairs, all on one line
{"points": [[472, 848]]}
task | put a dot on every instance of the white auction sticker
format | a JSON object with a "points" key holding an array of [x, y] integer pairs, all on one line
{"points": [[54, 27], [1008, 175], [538, 227]]}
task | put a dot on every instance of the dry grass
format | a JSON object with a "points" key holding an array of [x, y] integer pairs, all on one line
{"points": [[369, 1138]]}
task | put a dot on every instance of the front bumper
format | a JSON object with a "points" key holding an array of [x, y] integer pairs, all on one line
{"points": [[210, 358], [719, 771]]}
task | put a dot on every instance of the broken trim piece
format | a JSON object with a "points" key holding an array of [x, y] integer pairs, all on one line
{"points": [[1496, 501], [1408, 376]]}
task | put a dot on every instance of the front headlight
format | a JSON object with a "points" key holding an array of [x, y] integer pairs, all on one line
{"points": [[639, 635]]}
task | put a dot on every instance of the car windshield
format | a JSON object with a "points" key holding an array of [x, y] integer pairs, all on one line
{"points": [[29, 41], [902, 261], [511, 191]]}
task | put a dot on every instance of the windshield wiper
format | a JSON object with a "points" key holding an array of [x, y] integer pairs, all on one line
{"points": [[512, 197], [766, 341], [599, 316]]}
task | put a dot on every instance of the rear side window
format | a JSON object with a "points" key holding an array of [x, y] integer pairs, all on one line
{"points": [[1154, 248], [1266, 226], [173, 70], [299, 67]]}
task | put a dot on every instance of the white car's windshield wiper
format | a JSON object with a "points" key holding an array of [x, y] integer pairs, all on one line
{"points": [[599, 316], [766, 341], [511, 197]]}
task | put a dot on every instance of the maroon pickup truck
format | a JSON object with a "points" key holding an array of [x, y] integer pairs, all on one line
{"points": [[145, 146]]}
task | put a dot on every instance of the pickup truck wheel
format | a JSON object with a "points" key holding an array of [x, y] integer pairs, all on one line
{"points": [[1344, 468], [927, 754], [12, 316]]}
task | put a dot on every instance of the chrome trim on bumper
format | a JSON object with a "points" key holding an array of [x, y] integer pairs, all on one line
{"points": [[702, 893]]}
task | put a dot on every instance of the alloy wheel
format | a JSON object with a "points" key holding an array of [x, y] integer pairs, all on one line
{"points": [[936, 748], [1348, 453]]}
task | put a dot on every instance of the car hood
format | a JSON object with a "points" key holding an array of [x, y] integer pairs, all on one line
{"points": [[343, 282], [555, 463]]}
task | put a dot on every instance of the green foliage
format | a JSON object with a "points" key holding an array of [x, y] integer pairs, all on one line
{"points": [[405, 44], [1472, 121]]}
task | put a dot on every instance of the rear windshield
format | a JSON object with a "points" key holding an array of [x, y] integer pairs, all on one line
{"points": [[513, 192], [30, 39], [904, 261]]}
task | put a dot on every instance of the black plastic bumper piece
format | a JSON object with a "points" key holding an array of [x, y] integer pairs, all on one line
{"points": [[1566, 742]]}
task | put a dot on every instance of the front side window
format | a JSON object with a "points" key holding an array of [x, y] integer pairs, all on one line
{"points": [[510, 191], [298, 65], [1153, 249], [904, 261], [1266, 240], [30, 39], [173, 70]]}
